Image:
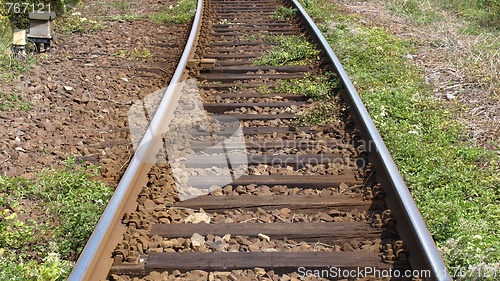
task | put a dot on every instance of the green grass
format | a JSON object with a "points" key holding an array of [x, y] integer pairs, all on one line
{"points": [[283, 13], [10, 67], [182, 12], [75, 22], [421, 12], [46, 220], [123, 5], [13, 101], [296, 50], [455, 185], [316, 87], [321, 113], [467, 33], [291, 50], [483, 13]]}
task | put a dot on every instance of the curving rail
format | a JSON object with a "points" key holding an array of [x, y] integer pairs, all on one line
{"points": [[95, 260]]}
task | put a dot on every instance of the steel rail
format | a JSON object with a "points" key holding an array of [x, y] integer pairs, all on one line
{"points": [[93, 258], [410, 223]]}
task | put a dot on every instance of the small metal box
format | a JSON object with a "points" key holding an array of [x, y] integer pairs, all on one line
{"points": [[41, 28], [41, 24]]}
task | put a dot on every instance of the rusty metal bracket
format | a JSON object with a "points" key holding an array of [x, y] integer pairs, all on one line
{"points": [[201, 64]]}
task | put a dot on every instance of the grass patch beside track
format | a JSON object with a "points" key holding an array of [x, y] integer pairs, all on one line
{"points": [[455, 184], [296, 50], [317, 88], [291, 50], [314, 87], [75, 22], [46, 221], [182, 12], [283, 13], [480, 14]]}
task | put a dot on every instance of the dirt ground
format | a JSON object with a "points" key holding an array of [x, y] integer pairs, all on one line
{"points": [[450, 60], [80, 92]]}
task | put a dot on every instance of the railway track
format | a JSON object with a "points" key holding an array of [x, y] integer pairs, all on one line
{"points": [[228, 185]]}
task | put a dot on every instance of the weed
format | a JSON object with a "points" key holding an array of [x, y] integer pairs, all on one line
{"points": [[454, 184], [10, 67], [468, 66], [237, 88], [126, 17], [182, 12], [13, 101], [135, 54], [75, 23], [259, 37], [141, 54], [327, 112], [124, 5], [59, 209], [131, 17], [316, 10], [291, 50], [266, 90], [223, 21], [316, 87], [16, 268], [422, 12], [121, 54], [283, 13], [481, 13]]}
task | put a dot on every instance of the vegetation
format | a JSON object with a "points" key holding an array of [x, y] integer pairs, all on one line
{"points": [[469, 31], [316, 87], [296, 50], [75, 22], [126, 17], [45, 221], [13, 101], [455, 185], [319, 88], [283, 13], [182, 12], [484, 13], [135, 54], [10, 67], [123, 5], [291, 50], [321, 113]]}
